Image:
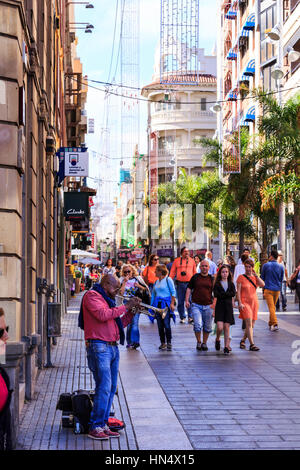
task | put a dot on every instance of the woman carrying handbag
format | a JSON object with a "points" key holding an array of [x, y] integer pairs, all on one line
{"points": [[294, 282], [164, 295], [132, 285]]}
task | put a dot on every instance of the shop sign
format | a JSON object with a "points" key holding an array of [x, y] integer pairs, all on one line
{"points": [[76, 163], [76, 206]]}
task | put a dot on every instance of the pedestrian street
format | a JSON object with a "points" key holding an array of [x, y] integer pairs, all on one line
{"points": [[180, 399]]}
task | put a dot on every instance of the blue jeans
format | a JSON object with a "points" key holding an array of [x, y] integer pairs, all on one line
{"points": [[202, 316], [282, 296], [181, 290], [133, 332], [103, 361]]}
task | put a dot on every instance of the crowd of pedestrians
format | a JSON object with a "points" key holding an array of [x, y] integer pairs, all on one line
{"points": [[203, 293]]}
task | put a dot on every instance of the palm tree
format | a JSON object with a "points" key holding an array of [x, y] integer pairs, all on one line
{"points": [[280, 127]]}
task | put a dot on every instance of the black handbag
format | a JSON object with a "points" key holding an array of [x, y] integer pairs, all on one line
{"points": [[293, 283]]}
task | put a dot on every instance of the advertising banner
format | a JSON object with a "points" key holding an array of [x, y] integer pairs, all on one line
{"points": [[153, 179]]}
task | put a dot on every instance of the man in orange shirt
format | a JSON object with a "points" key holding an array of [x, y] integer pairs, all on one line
{"points": [[183, 269]]}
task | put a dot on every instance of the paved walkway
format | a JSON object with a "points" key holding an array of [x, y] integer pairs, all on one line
{"points": [[246, 400], [182, 399], [40, 424]]}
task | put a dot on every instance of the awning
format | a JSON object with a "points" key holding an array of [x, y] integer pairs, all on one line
{"points": [[231, 14], [250, 68], [232, 96], [250, 114], [249, 23], [82, 253], [96, 262], [244, 123], [244, 33], [244, 78], [231, 55]]}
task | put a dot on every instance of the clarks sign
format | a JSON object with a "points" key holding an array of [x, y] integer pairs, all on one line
{"points": [[76, 206]]}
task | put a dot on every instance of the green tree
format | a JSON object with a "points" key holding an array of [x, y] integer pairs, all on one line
{"points": [[279, 126]]}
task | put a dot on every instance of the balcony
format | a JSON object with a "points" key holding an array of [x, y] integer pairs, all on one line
{"points": [[186, 157], [187, 118]]}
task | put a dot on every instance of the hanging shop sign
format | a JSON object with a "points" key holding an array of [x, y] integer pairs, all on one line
{"points": [[76, 163], [80, 226], [76, 206], [73, 161]]}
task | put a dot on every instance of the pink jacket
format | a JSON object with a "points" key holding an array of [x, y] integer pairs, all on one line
{"points": [[99, 318]]}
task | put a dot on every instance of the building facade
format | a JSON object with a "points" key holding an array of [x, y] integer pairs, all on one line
{"points": [[257, 40], [35, 59], [179, 115]]}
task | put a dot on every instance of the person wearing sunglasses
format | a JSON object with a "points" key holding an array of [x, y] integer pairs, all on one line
{"points": [[133, 285], [5, 392], [149, 275]]}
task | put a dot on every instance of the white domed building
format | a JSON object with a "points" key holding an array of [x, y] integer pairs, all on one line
{"points": [[179, 114]]}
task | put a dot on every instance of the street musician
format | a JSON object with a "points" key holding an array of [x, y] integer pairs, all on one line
{"points": [[103, 325]]}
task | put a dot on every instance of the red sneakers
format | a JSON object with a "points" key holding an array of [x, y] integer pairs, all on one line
{"points": [[110, 433], [98, 434]]}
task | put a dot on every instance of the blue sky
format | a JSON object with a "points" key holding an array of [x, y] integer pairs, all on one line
{"points": [[95, 51]]}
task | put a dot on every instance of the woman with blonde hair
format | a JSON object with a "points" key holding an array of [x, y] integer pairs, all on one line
{"points": [[132, 285]]}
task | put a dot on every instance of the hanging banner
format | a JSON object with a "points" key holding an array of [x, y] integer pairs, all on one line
{"points": [[153, 179]]}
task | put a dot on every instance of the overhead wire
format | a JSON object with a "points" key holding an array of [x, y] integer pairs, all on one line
{"points": [[184, 102]]}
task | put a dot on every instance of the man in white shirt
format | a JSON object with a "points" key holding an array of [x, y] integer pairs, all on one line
{"points": [[245, 252], [240, 268], [212, 266], [87, 276]]}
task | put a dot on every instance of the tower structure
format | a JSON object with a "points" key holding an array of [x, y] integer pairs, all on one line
{"points": [[183, 84], [130, 112], [179, 41], [130, 79]]}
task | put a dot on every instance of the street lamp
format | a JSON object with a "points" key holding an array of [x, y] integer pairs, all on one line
{"points": [[87, 4], [292, 54], [87, 25], [216, 108], [274, 34], [277, 73]]}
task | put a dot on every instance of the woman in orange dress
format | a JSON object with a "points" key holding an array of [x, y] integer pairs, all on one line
{"points": [[248, 302]]}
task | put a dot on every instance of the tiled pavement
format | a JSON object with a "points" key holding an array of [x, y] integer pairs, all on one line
{"points": [[244, 401], [248, 400]]}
